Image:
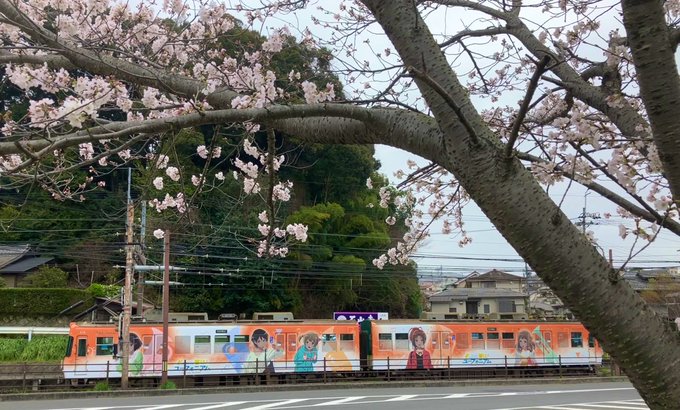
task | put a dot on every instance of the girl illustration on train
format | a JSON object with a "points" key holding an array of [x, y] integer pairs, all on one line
{"points": [[419, 358], [307, 355], [525, 355]]}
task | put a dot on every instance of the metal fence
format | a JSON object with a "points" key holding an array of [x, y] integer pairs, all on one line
{"points": [[27, 377]]}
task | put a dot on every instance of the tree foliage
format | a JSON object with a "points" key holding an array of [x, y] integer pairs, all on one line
{"points": [[47, 277]]}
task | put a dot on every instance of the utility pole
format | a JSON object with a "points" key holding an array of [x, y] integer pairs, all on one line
{"points": [[166, 305], [583, 216], [142, 260], [127, 298]]}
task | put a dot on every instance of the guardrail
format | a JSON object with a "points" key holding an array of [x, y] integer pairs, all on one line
{"points": [[33, 330]]}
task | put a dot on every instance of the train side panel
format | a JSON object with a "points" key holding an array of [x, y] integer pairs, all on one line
{"points": [[425, 345], [214, 349]]}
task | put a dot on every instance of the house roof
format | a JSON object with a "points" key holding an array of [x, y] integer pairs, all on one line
{"points": [[475, 293], [11, 253], [463, 279], [24, 265], [495, 275]]}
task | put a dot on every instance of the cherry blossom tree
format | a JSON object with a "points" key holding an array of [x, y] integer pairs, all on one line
{"points": [[505, 98]]}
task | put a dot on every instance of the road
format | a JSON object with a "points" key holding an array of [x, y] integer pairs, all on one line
{"points": [[591, 396]]}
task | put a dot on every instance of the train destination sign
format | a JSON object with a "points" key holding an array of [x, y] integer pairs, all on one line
{"points": [[360, 316]]}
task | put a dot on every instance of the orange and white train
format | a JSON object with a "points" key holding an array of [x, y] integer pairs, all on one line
{"points": [[242, 348]]}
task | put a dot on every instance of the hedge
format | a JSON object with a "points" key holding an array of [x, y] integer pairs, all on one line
{"points": [[42, 302]]}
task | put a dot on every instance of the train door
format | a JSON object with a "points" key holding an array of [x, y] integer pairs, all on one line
{"points": [[80, 366], [436, 351], [157, 347], [291, 349], [446, 348], [280, 346]]}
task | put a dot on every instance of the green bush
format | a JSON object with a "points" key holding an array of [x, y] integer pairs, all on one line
{"points": [[3, 282], [48, 277], [42, 302], [102, 386], [168, 385], [103, 291]]}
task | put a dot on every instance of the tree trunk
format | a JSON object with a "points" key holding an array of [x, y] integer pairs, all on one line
{"points": [[654, 58], [531, 222]]}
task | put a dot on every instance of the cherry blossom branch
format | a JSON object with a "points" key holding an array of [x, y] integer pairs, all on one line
{"points": [[52, 60], [643, 213], [123, 129], [657, 217], [106, 65]]}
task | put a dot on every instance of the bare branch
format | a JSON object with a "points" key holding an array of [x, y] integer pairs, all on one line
{"points": [[491, 31], [449, 100], [524, 108]]}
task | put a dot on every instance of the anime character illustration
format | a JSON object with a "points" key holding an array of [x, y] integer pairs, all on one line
{"points": [[307, 355], [525, 355], [419, 358], [261, 357], [136, 361]]}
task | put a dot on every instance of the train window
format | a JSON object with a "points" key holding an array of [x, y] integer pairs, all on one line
{"points": [[104, 346], [329, 341], [241, 339], [477, 340], [548, 338], [576, 339], [202, 344], [462, 341], [82, 347], [146, 341], [292, 342], [401, 341], [493, 341], [562, 339], [508, 340], [591, 341], [182, 344], [69, 346], [346, 341], [220, 343], [385, 341], [446, 338]]}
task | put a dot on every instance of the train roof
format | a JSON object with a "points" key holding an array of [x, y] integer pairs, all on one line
{"points": [[327, 321]]}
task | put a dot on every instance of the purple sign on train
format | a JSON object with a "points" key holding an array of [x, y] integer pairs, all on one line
{"points": [[360, 316]]}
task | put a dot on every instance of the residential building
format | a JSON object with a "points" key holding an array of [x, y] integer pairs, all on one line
{"points": [[16, 262], [492, 295]]}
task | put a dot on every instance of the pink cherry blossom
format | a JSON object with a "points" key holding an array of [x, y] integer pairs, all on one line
{"points": [[173, 173]]}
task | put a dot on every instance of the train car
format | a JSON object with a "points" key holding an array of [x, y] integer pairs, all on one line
{"points": [[213, 348], [431, 345]]}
